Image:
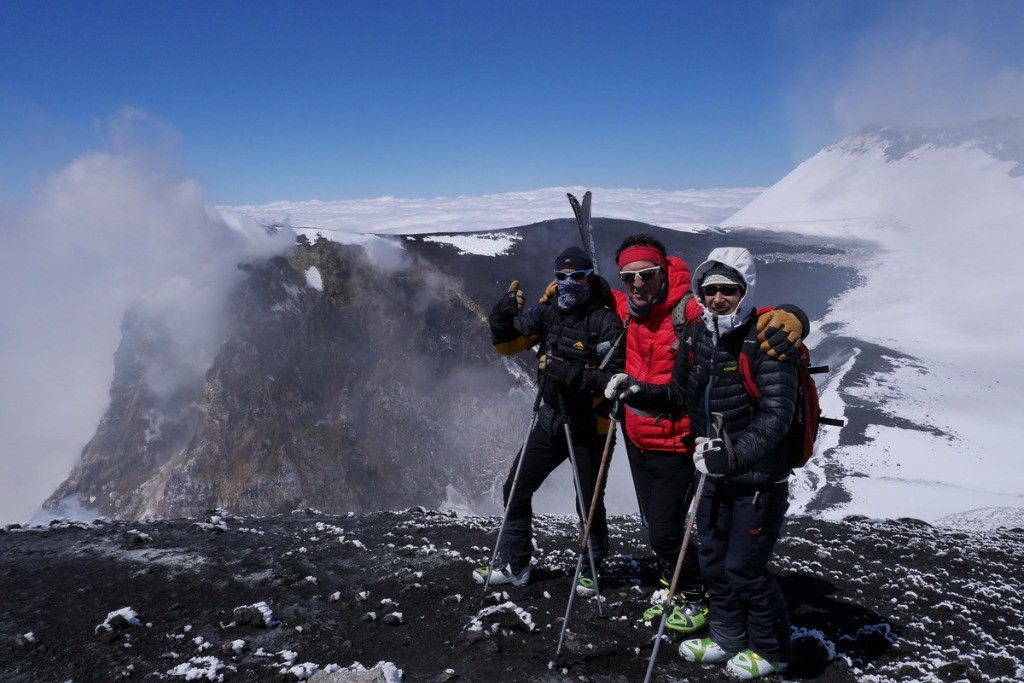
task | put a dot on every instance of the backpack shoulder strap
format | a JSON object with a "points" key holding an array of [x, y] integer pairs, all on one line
{"points": [[748, 355], [679, 319], [689, 340]]}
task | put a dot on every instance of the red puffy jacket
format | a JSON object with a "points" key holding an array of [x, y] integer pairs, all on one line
{"points": [[651, 351]]}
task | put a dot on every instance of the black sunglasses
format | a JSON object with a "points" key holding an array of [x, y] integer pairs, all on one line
{"points": [[574, 275], [645, 274], [726, 290]]}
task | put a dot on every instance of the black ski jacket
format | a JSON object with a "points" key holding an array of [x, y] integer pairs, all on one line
{"points": [[706, 379], [581, 337]]}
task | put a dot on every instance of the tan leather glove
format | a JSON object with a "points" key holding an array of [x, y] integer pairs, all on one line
{"points": [[550, 293], [542, 362], [520, 297], [779, 333]]}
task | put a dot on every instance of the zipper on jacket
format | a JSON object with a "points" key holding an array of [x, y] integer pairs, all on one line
{"points": [[711, 377]]}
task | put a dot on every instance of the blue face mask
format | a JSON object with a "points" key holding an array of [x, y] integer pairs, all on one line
{"points": [[572, 293]]}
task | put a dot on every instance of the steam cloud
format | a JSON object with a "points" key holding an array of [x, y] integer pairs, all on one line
{"points": [[110, 230], [926, 80], [917, 64]]}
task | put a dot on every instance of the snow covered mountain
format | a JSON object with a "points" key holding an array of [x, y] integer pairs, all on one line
{"points": [[932, 383]]}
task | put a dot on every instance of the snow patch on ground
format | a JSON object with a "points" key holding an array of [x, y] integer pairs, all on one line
{"points": [[313, 279], [127, 614], [493, 244]]}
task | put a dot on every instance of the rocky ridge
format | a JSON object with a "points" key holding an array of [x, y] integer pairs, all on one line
{"points": [[367, 385]]}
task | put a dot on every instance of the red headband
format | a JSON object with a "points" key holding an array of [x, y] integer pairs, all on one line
{"points": [[641, 252]]}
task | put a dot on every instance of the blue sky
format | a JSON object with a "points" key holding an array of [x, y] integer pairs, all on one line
{"points": [[336, 100]]}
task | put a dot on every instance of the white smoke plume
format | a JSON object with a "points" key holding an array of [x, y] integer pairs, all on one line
{"points": [[111, 229]]}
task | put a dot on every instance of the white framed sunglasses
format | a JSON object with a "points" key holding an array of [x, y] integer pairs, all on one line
{"points": [[645, 274]]}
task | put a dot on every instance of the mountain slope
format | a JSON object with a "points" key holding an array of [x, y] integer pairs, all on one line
{"points": [[932, 383]]}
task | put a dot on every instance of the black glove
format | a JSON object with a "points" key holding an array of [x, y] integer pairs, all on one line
{"points": [[617, 411], [511, 304], [560, 372], [711, 458]]}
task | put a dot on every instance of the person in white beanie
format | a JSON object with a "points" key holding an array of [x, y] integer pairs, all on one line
{"points": [[746, 494]]}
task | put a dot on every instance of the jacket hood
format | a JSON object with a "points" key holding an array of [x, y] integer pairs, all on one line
{"points": [[740, 260], [678, 281]]}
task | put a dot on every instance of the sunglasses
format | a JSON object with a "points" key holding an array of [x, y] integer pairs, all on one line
{"points": [[726, 290], [577, 275], [645, 274]]}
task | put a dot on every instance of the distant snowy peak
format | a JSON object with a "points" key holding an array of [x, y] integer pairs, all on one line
{"points": [[887, 177], [1002, 139]]}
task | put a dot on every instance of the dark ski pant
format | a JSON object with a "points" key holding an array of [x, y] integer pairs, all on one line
{"points": [[545, 452], [738, 529], [663, 481]]}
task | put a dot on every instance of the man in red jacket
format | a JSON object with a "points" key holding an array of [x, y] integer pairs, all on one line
{"points": [[656, 302]]}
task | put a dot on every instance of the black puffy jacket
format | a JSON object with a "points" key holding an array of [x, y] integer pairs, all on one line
{"points": [[706, 380], [581, 336]]}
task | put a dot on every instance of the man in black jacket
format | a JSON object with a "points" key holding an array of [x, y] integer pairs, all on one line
{"points": [[576, 329]]}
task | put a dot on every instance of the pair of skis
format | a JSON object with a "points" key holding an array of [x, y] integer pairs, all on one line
{"points": [[582, 213]]}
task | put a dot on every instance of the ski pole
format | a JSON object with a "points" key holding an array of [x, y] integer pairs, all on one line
{"points": [[590, 520], [670, 596], [691, 518], [515, 482], [581, 502]]}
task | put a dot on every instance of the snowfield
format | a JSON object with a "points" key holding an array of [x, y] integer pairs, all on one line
{"points": [[945, 218]]}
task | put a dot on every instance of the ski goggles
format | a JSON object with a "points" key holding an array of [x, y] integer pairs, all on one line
{"points": [[726, 290], [645, 274], [577, 275]]}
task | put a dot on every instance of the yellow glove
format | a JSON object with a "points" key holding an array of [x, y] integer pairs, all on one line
{"points": [[550, 293], [520, 297], [779, 333]]}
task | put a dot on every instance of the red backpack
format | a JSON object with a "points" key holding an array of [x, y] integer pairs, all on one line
{"points": [[799, 439], [803, 432]]}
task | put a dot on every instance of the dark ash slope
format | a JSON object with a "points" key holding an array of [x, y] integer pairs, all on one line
{"points": [[870, 600]]}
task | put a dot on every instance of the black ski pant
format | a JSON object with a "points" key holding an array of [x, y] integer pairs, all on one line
{"points": [[544, 452], [663, 481], [738, 529]]}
